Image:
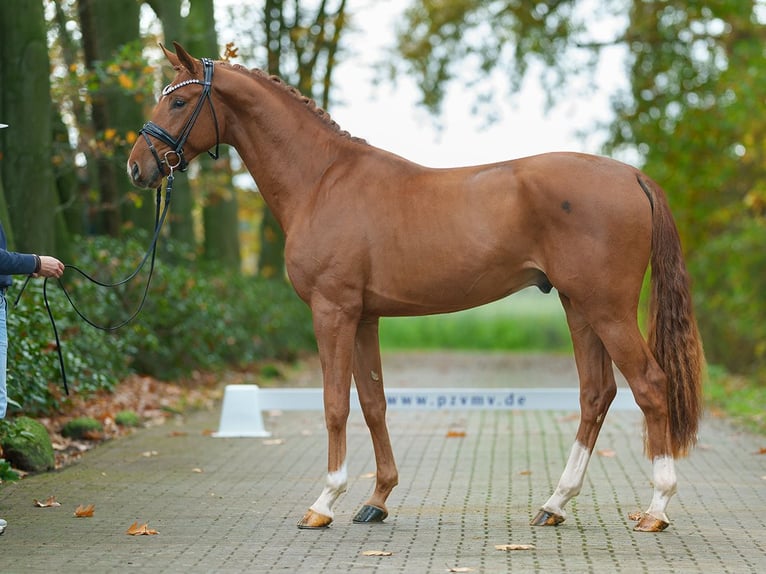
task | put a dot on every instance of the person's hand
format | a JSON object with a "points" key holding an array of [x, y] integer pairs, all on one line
{"points": [[50, 267]]}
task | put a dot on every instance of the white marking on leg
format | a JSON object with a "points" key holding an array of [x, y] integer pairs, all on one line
{"points": [[336, 485], [664, 479], [571, 480]]}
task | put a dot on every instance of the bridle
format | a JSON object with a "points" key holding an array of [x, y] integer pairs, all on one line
{"points": [[177, 144]]}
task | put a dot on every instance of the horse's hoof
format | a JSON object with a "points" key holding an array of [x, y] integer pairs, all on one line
{"points": [[545, 518], [648, 523], [313, 521], [369, 513]]}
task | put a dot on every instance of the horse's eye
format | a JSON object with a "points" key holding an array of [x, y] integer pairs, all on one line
{"points": [[178, 103]]}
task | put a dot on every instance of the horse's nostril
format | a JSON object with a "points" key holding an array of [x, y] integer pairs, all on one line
{"points": [[135, 171]]}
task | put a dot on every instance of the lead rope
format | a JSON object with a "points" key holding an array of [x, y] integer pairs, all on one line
{"points": [[159, 220]]}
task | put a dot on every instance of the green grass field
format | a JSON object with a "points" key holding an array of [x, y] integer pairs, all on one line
{"points": [[526, 321]]}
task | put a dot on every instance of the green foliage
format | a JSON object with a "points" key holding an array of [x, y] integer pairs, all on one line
{"points": [[466, 39], [7, 474], [730, 303], [195, 318], [80, 427], [737, 397], [695, 116]]}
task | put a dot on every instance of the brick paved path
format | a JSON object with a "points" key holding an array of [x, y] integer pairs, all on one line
{"points": [[458, 497]]}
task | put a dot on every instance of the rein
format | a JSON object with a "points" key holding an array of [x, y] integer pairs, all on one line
{"points": [[149, 129], [159, 220]]}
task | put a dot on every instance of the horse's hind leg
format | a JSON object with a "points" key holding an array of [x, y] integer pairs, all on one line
{"points": [[648, 382], [369, 384], [597, 390]]}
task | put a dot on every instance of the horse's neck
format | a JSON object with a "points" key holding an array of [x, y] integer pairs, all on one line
{"points": [[284, 144]]}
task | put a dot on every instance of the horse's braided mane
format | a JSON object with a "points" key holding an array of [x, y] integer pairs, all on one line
{"points": [[310, 103]]}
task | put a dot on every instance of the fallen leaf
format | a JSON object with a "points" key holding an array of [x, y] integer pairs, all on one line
{"points": [[136, 530], [761, 450], [149, 453], [176, 433], [84, 511], [607, 453], [50, 502], [377, 553], [455, 433], [198, 470], [273, 441], [525, 473], [460, 569], [511, 547], [636, 516], [208, 432]]}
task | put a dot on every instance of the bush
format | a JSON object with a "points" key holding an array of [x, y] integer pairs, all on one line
{"points": [[196, 317], [81, 427], [729, 286], [127, 419], [27, 446]]}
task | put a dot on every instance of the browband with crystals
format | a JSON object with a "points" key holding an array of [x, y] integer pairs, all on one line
{"points": [[172, 88]]}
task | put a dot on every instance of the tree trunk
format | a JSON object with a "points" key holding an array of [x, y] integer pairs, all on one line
{"points": [[219, 201], [25, 104], [107, 26]]}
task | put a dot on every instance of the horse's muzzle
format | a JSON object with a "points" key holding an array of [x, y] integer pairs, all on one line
{"points": [[139, 179]]}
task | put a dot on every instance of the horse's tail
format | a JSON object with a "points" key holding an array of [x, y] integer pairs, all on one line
{"points": [[673, 336]]}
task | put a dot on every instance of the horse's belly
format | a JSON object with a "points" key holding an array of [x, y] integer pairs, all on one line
{"points": [[446, 289]]}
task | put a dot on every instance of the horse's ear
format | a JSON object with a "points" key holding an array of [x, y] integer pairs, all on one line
{"points": [[172, 58], [185, 59]]}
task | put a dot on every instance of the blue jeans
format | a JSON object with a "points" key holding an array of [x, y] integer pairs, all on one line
{"points": [[3, 356]]}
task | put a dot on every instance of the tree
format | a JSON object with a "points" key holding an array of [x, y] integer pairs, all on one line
{"points": [[694, 112], [109, 33], [439, 40], [25, 104], [301, 45]]}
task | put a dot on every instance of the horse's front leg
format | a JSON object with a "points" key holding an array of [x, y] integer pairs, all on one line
{"points": [[369, 383], [335, 330]]}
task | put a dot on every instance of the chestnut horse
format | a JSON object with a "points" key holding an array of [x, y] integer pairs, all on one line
{"points": [[370, 234]]}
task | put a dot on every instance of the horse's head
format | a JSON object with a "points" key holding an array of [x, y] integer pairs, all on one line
{"points": [[177, 131]]}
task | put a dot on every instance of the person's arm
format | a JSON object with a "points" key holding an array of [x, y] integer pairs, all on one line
{"points": [[12, 263]]}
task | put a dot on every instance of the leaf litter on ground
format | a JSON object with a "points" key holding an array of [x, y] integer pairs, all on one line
{"points": [[49, 502], [143, 529], [84, 511]]}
